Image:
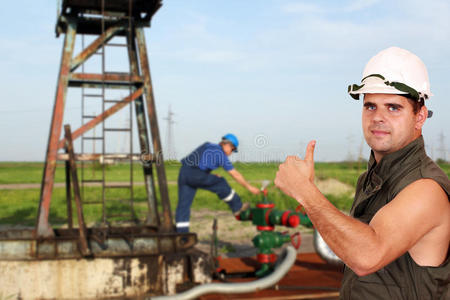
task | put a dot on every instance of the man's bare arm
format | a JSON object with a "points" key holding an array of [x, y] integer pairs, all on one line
{"points": [[241, 180], [418, 209]]}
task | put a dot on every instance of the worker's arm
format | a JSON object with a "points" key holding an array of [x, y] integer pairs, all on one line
{"points": [[241, 180], [419, 209]]}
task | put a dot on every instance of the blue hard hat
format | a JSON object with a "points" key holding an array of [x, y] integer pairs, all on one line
{"points": [[232, 139]]}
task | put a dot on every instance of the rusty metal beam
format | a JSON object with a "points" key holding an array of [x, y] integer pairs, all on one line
{"points": [[84, 247], [98, 156], [107, 78], [152, 213], [98, 85], [95, 45], [122, 242], [92, 26], [43, 228], [68, 193], [167, 224], [100, 118], [146, 8]]}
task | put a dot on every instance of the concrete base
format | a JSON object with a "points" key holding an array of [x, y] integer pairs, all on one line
{"points": [[100, 278]]}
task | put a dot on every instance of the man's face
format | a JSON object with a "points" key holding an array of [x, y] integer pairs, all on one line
{"points": [[389, 123], [227, 148]]}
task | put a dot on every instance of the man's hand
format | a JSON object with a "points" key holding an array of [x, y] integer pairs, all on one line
{"points": [[294, 173], [254, 190], [241, 180]]}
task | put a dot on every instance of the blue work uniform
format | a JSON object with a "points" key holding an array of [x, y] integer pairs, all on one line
{"points": [[195, 173]]}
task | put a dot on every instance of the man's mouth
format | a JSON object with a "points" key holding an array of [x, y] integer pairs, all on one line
{"points": [[380, 133]]}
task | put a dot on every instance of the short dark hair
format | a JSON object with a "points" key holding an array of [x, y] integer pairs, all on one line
{"points": [[416, 105]]}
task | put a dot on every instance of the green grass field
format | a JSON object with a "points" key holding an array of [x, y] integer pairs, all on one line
{"points": [[19, 206], [31, 172]]}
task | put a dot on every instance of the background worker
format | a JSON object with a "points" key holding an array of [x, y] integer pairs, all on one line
{"points": [[395, 244], [195, 173]]}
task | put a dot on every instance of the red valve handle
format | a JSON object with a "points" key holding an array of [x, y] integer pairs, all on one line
{"points": [[296, 240], [301, 209]]}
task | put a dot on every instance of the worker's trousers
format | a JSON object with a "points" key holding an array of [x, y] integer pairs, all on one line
{"points": [[189, 180]]}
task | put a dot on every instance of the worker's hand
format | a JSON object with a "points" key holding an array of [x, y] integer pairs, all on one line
{"points": [[295, 174], [254, 190], [218, 175]]}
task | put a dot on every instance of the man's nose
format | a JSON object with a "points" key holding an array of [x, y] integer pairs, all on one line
{"points": [[378, 116]]}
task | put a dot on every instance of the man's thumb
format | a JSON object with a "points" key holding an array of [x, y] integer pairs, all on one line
{"points": [[309, 155]]}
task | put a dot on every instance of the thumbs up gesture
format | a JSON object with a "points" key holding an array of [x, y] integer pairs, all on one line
{"points": [[295, 175]]}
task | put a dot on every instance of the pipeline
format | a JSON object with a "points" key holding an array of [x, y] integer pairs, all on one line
{"points": [[324, 251], [289, 254]]}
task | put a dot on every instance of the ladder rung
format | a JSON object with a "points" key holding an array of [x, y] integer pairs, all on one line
{"points": [[118, 186], [92, 138], [93, 95], [118, 73], [117, 156], [117, 129], [116, 45], [112, 101], [123, 201], [92, 180], [89, 116]]}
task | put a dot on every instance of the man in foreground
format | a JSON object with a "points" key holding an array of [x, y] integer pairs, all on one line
{"points": [[395, 244], [195, 173]]}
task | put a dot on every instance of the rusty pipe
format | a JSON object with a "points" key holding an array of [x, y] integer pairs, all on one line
{"points": [[289, 254]]}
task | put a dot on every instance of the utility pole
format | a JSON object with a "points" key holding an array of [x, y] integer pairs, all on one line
{"points": [[360, 155], [442, 149], [350, 157], [169, 139]]}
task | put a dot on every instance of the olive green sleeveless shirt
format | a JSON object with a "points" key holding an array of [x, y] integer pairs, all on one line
{"points": [[403, 278]]}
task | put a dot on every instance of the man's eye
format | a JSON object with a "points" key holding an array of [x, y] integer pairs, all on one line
{"points": [[393, 108], [370, 107]]}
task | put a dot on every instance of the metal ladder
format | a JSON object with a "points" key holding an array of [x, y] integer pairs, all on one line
{"points": [[105, 157]]}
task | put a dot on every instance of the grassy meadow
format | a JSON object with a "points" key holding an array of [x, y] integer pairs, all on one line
{"points": [[19, 206]]}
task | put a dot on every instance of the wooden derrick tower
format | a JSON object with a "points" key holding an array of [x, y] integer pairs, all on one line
{"points": [[106, 21]]}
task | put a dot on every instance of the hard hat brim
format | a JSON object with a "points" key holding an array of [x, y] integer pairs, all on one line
{"points": [[376, 89], [376, 84]]}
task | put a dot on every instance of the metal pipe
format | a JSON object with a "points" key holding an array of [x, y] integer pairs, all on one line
{"points": [[290, 256], [324, 251]]}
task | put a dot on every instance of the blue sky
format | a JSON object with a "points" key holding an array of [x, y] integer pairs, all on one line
{"points": [[273, 72]]}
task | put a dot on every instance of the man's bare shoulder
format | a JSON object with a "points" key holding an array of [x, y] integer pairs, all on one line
{"points": [[413, 216], [423, 198], [426, 190], [430, 198], [426, 198]]}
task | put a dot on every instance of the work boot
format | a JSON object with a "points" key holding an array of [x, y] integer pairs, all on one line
{"points": [[244, 207]]}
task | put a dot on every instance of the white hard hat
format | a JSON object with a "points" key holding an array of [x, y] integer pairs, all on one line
{"points": [[394, 71]]}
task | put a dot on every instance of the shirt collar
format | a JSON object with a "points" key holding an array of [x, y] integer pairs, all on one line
{"points": [[390, 163]]}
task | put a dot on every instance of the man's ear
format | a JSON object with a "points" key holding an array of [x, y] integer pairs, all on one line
{"points": [[421, 116]]}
